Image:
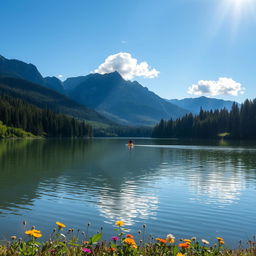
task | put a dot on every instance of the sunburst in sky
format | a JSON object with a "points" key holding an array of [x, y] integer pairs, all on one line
{"points": [[240, 8]]}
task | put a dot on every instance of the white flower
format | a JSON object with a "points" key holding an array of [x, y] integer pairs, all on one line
{"points": [[205, 241]]}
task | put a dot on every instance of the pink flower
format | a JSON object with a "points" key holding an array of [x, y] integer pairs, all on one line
{"points": [[114, 238], [86, 250]]}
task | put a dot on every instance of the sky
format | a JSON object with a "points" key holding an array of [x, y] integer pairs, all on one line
{"points": [[176, 48]]}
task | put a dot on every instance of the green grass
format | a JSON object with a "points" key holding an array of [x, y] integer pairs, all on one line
{"points": [[11, 132], [70, 242]]}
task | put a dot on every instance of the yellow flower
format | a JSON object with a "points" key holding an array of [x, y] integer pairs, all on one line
{"points": [[219, 238], [170, 238], [180, 254], [205, 241], [119, 223], [37, 235], [33, 232], [187, 240], [60, 225]]}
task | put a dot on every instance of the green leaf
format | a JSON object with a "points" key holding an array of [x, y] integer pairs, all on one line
{"points": [[96, 238]]}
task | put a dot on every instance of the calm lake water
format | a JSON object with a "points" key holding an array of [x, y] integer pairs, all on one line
{"points": [[179, 187]]}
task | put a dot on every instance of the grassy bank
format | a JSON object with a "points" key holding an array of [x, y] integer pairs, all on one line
{"points": [[70, 242], [11, 132]]}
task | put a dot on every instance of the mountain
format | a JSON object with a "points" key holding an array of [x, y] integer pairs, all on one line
{"points": [[29, 72], [54, 83], [20, 69], [72, 82], [45, 98], [123, 101], [194, 104]]}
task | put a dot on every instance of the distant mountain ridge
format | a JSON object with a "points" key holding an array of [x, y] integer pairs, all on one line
{"points": [[29, 72], [195, 104], [123, 101]]}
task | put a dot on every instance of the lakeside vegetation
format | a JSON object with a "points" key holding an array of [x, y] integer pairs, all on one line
{"points": [[11, 132], [239, 123], [72, 242], [40, 122]]}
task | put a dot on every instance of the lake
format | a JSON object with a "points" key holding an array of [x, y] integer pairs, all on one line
{"points": [[186, 188]]}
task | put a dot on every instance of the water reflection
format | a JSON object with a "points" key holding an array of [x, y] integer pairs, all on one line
{"points": [[102, 180]]}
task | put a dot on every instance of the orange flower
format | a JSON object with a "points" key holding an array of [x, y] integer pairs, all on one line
{"points": [[129, 236], [112, 249], [130, 242], [220, 240], [161, 240], [60, 225], [184, 245]]}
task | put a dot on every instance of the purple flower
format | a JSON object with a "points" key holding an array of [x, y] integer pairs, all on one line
{"points": [[86, 250], [114, 238]]}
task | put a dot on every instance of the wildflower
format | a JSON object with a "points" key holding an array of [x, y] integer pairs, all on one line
{"points": [[112, 249], [33, 232], [60, 225], [161, 240], [184, 245], [130, 242], [193, 238], [129, 236], [86, 250], [187, 240], [220, 240], [119, 223], [170, 238], [37, 235], [205, 241], [85, 242], [13, 237], [114, 238], [180, 254]]}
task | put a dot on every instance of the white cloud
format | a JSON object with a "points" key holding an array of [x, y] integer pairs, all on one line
{"points": [[223, 86], [60, 76], [127, 66]]}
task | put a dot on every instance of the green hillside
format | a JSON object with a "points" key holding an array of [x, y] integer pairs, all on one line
{"points": [[47, 99]]}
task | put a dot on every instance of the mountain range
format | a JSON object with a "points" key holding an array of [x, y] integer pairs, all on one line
{"points": [[195, 104], [104, 98]]}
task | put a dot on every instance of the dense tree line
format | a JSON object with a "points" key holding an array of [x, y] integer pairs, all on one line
{"points": [[41, 122], [239, 123], [123, 131]]}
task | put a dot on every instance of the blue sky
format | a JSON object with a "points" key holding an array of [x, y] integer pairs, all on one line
{"points": [[184, 40]]}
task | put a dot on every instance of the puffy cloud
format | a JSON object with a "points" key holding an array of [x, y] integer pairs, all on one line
{"points": [[127, 66], [60, 76], [223, 86]]}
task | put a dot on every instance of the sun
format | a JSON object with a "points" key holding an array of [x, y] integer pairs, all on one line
{"points": [[240, 8], [240, 3]]}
